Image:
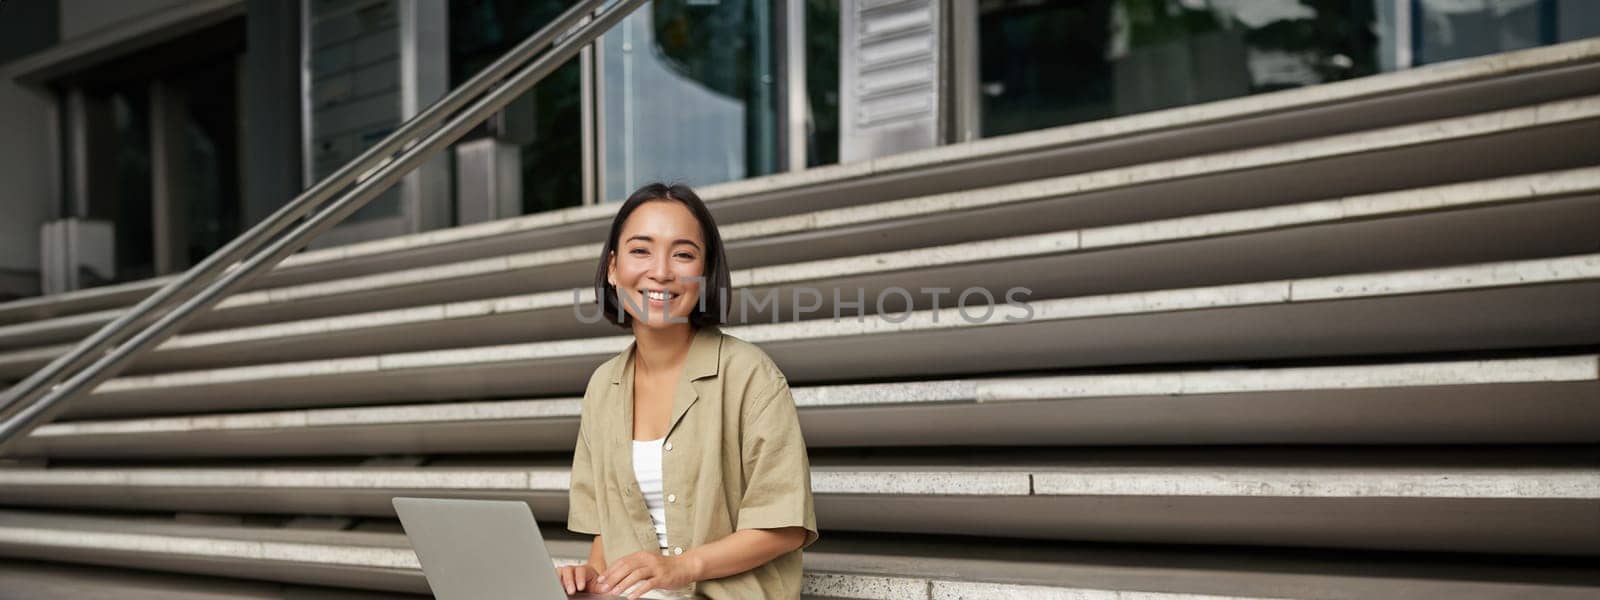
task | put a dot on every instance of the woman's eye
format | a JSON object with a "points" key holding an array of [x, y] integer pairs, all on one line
{"points": [[686, 255], [638, 251]]}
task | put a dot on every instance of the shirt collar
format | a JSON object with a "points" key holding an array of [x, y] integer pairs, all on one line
{"points": [[705, 355]]}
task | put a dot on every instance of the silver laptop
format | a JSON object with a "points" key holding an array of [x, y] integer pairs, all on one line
{"points": [[481, 549]]}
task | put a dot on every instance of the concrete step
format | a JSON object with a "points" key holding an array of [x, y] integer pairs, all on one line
{"points": [[838, 566], [1437, 91], [1483, 401], [1544, 137], [1467, 500], [33, 579], [1527, 217], [1544, 303]]}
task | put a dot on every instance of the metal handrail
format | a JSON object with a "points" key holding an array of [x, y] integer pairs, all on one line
{"points": [[97, 344], [373, 173]]}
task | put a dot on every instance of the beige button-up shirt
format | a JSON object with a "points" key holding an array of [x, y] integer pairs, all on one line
{"points": [[733, 459]]}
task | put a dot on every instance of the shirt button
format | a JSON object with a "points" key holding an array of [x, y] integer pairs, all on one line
{"points": [[678, 550], [667, 446], [672, 497]]}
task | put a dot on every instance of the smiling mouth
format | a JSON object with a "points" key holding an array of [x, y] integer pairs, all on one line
{"points": [[659, 296]]}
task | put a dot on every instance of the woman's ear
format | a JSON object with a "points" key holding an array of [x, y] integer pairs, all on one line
{"points": [[611, 268]]}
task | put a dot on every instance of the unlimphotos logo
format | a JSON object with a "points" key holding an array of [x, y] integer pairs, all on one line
{"points": [[893, 304]]}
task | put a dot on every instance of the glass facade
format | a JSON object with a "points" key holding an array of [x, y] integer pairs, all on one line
{"points": [[1451, 29], [209, 181], [822, 82], [152, 144], [689, 90], [689, 94], [546, 123], [105, 134], [1049, 63], [130, 205], [1044, 63]]}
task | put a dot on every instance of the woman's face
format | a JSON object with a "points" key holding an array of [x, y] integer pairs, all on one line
{"points": [[660, 248]]}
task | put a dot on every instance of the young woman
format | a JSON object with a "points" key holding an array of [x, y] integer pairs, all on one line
{"points": [[689, 470]]}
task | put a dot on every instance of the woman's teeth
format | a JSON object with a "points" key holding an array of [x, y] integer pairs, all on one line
{"points": [[663, 296]]}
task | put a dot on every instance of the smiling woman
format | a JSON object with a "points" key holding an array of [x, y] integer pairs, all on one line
{"points": [[689, 468], [663, 240]]}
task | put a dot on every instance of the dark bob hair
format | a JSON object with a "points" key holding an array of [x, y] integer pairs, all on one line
{"points": [[714, 291]]}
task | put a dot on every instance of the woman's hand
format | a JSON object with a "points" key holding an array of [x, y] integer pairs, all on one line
{"points": [[576, 578], [650, 570]]}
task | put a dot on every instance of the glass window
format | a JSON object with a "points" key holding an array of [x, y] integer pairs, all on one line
{"points": [[689, 94], [209, 153], [1045, 63], [152, 144], [128, 206], [1452, 29], [545, 123], [822, 82], [108, 174]]}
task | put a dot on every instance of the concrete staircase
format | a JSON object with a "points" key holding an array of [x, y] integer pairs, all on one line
{"points": [[1341, 341]]}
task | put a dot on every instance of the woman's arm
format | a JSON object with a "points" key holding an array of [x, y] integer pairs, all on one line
{"points": [[597, 556], [739, 552]]}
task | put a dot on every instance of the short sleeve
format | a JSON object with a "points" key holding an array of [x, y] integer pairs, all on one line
{"points": [[582, 510], [777, 472]]}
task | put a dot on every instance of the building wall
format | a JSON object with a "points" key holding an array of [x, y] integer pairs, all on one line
{"points": [[28, 197], [83, 16]]}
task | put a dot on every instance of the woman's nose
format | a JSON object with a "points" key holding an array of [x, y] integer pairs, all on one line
{"points": [[660, 270]]}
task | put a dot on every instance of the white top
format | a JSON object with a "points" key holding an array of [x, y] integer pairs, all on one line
{"points": [[647, 469]]}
